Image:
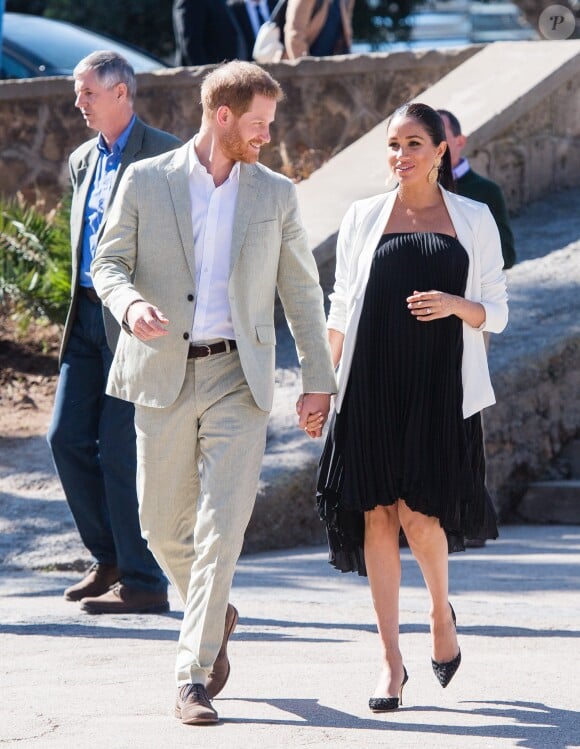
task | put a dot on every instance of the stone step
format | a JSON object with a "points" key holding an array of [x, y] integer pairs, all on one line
{"points": [[551, 502]]}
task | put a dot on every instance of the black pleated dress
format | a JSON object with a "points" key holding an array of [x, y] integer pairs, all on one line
{"points": [[401, 432]]}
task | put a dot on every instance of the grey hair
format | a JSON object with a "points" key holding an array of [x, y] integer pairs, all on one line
{"points": [[110, 68]]}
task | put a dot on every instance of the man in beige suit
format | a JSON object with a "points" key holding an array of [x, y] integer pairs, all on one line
{"points": [[199, 242]]}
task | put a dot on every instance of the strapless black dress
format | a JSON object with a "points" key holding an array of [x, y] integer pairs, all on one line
{"points": [[401, 432]]}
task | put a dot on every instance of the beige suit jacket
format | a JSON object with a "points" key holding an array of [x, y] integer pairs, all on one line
{"points": [[147, 252]]}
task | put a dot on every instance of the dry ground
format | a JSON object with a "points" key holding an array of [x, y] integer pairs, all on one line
{"points": [[28, 373]]}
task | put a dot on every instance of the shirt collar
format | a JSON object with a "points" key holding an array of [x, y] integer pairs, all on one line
{"points": [[196, 165], [119, 145], [461, 169]]}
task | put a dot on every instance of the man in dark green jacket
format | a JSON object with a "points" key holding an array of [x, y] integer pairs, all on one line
{"points": [[474, 186]]}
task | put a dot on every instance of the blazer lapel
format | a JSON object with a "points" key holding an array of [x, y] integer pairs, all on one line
{"points": [[248, 190], [370, 234], [84, 178], [179, 189], [462, 229], [85, 174], [134, 145]]}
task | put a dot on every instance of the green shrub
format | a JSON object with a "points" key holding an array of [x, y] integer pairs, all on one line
{"points": [[35, 261]]}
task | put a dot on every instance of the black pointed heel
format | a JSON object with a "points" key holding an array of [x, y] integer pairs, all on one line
{"points": [[386, 704], [444, 672]]}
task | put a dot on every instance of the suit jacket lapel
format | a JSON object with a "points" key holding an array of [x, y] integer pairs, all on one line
{"points": [[247, 198], [131, 150], [177, 177], [84, 178]]}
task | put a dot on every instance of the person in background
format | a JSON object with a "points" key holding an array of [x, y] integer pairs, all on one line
{"points": [[200, 241], [472, 185], [318, 28], [205, 32], [418, 279], [249, 16], [92, 435]]}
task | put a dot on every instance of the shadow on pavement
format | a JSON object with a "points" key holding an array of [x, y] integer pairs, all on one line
{"points": [[535, 725], [285, 633]]}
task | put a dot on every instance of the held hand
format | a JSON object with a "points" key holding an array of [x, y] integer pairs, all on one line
{"points": [[431, 305], [314, 422], [314, 408], [146, 321], [299, 403]]}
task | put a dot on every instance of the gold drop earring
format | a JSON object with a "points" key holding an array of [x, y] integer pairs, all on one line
{"points": [[434, 172]]}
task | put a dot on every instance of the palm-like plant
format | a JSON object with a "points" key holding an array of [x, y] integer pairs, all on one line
{"points": [[34, 261]]}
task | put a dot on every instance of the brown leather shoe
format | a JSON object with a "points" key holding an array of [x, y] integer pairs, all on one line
{"points": [[216, 681], [97, 581], [193, 705], [125, 600]]}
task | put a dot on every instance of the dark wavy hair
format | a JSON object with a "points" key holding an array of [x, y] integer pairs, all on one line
{"points": [[431, 122]]}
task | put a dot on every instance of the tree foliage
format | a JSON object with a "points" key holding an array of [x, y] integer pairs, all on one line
{"points": [[381, 21]]}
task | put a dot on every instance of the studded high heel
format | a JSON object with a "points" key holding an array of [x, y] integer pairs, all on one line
{"points": [[386, 704], [444, 672]]}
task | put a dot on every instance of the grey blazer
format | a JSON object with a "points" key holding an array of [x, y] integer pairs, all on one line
{"points": [[147, 252], [144, 142]]}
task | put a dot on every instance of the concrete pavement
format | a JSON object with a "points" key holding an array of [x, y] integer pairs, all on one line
{"points": [[305, 657]]}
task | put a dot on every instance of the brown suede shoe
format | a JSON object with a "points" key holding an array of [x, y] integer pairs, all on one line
{"points": [[216, 681], [193, 705], [97, 581], [125, 600]]}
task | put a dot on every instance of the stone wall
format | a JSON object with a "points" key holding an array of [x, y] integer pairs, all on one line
{"points": [[329, 104], [519, 106], [539, 152], [535, 367]]}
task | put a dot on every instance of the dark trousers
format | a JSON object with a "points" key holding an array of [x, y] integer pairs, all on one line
{"points": [[92, 438]]}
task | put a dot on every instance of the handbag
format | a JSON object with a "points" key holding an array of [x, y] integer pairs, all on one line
{"points": [[268, 47]]}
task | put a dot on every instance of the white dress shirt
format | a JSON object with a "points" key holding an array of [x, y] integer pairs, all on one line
{"points": [[212, 217], [461, 169]]}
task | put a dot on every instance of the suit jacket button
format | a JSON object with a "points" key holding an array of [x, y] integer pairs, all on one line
{"points": [[190, 297], [186, 336]]}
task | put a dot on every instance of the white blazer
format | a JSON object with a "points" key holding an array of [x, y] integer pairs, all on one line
{"points": [[359, 234]]}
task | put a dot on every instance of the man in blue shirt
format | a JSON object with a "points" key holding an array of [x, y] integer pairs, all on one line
{"points": [[92, 435]]}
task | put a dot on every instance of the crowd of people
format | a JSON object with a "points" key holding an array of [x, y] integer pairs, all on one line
{"points": [[211, 31], [168, 356]]}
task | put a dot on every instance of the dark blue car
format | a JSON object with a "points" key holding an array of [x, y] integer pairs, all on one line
{"points": [[33, 46]]}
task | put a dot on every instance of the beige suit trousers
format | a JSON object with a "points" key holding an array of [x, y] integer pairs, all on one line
{"points": [[198, 466]]}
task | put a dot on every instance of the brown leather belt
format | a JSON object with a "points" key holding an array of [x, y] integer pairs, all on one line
{"points": [[202, 350], [90, 294]]}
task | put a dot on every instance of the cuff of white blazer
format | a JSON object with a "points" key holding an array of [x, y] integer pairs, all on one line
{"points": [[496, 317]]}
